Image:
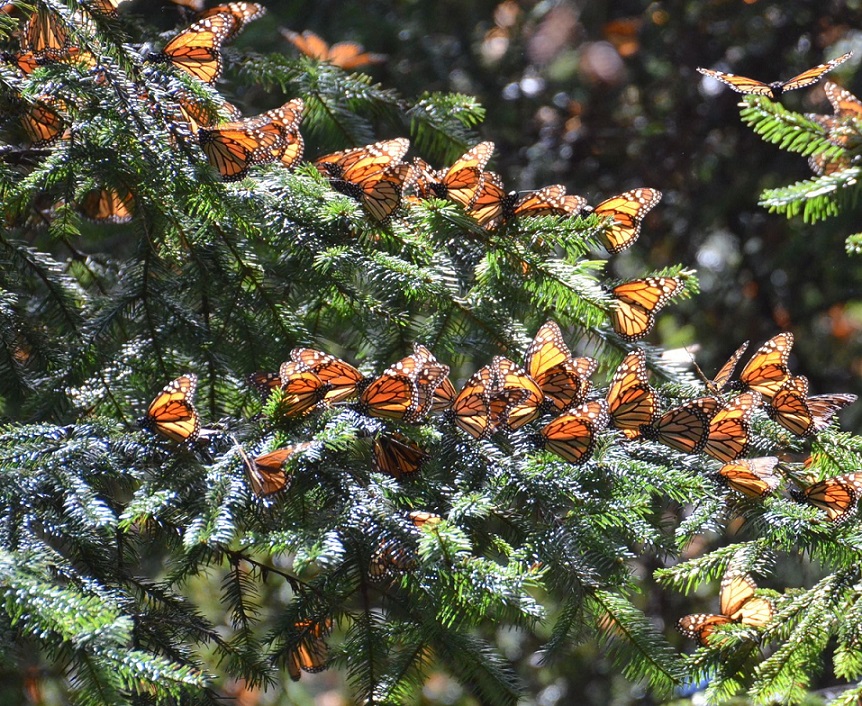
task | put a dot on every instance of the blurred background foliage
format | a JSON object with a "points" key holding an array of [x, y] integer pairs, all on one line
{"points": [[603, 97]]}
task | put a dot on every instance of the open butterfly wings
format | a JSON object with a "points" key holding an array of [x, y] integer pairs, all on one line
{"points": [[738, 604], [197, 49], [742, 84], [345, 55], [729, 431], [802, 415], [172, 413], [767, 369], [684, 428], [637, 302], [838, 496], [461, 182], [233, 148]]}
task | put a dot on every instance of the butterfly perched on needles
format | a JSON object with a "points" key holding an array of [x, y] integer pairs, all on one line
{"points": [[767, 369], [266, 472], [493, 205], [45, 32], [729, 432], [345, 55], [737, 603], [572, 436], [172, 413], [396, 455], [686, 427], [627, 210], [516, 398], [741, 84], [840, 128], [301, 389], [471, 408], [197, 49], [109, 205], [800, 414], [637, 302], [725, 372], [42, 123], [461, 182], [751, 477], [341, 376], [373, 175], [564, 380], [308, 651], [233, 148], [632, 403], [838, 496], [287, 119], [406, 388], [394, 555]]}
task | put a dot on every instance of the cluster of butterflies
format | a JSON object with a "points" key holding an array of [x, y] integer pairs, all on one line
{"points": [[502, 397]]}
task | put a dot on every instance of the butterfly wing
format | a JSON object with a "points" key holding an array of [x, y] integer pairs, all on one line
{"points": [[549, 200], [813, 75], [233, 148], [722, 377], [637, 303], [572, 436], [685, 428], [753, 477], [42, 124], [699, 626], [730, 428], [627, 211], [563, 380], [488, 207], [463, 180], [837, 496], [632, 403], [108, 205], [241, 13], [309, 653], [740, 84], [844, 103], [767, 370], [471, 410], [197, 49], [301, 389], [266, 472], [341, 376], [45, 32], [172, 413], [396, 455], [265, 383]]}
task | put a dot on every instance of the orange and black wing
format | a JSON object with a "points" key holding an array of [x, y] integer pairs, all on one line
{"points": [[396, 455], [309, 653], [627, 211], [632, 403], [722, 377], [471, 409], [572, 436], [42, 124], [844, 103], [341, 376], [837, 497], [741, 84], [638, 302], [491, 205], [516, 398], [813, 75], [699, 626], [110, 205], [301, 389], [565, 381], [767, 370], [172, 413], [686, 427], [45, 32], [197, 49], [265, 383], [751, 477], [266, 472], [463, 180], [241, 14], [233, 148], [547, 201], [729, 432]]}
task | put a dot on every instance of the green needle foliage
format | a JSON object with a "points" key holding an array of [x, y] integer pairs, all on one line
{"points": [[107, 531]]}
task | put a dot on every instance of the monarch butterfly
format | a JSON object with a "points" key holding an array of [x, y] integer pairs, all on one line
{"points": [[198, 115], [341, 376], [767, 370], [741, 84], [844, 103], [686, 427], [396, 455], [266, 472], [565, 381], [42, 124], [172, 413], [632, 403], [638, 302], [444, 395], [627, 210], [110, 204], [492, 206], [516, 398], [45, 32], [730, 428], [233, 148], [301, 389], [837, 496], [572, 436], [800, 414], [737, 604], [471, 410], [373, 175], [461, 182], [287, 119], [393, 556], [722, 377], [309, 653], [265, 383], [197, 49], [751, 477], [241, 14], [406, 388], [345, 55]]}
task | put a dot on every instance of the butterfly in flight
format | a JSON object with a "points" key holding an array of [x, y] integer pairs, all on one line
{"points": [[751, 477], [564, 380], [637, 302], [632, 403], [572, 436], [741, 84], [838, 496], [737, 603], [172, 413], [345, 55], [373, 175], [800, 414]]}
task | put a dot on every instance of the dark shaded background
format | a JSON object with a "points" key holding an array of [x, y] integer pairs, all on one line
{"points": [[603, 97]]}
